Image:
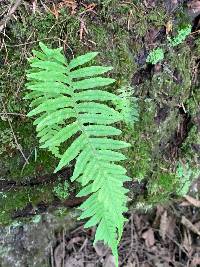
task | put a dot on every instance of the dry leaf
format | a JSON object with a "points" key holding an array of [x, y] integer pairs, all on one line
{"points": [[109, 261], [55, 11], [167, 225], [189, 225], [159, 212], [149, 3], [197, 225], [169, 26], [174, 2], [34, 5], [59, 254], [101, 249], [195, 5], [164, 224], [131, 264], [194, 8], [196, 261], [184, 204], [137, 222], [74, 240], [71, 4], [195, 202], [148, 236], [76, 261], [187, 241]]}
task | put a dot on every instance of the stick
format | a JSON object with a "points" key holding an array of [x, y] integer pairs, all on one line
{"points": [[9, 15], [14, 136]]}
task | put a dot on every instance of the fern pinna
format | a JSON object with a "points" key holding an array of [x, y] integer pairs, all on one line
{"points": [[69, 105]]}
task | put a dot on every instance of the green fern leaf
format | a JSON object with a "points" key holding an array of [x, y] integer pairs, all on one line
{"points": [[92, 83], [69, 105], [89, 72], [82, 60]]}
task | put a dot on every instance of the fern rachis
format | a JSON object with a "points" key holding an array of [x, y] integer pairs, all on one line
{"points": [[68, 105]]}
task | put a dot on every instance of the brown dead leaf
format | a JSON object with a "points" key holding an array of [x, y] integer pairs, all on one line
{"points": [[196, 261], [59, 254], [76, 261], [130, 264], [167, 225], [187, 241], [34, 5], [101, 249], [195, 202], [134, 264], [169, 27], [109, 261], [197, 225], [55, 11], [194, 8], [195, 5], [88, 8], [83, 29], [174, 2], [159, 212], [90, 265], [164, 225], [148, 236], [72, 4], [56, 8], [187, 223], [184, 204], [137, 222], [74, 240], [149, 3]]}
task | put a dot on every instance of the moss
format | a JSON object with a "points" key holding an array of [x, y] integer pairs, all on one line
{"points": [[140, 138], [193, 102], [62, 212], [117, 31], [40, 162], [190, 148], [162, 183], [158, 16], [12, 201], [172, 85], [115, 44], [39, 27]]}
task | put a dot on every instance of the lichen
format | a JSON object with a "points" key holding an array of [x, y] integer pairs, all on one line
{"points": [[61, 190]]}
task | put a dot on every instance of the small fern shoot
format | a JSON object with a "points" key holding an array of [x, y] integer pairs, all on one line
{"points": [[69, 105], [127, 105]]}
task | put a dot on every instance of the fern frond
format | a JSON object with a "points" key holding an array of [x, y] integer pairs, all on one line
{"points": [[70, 106], [127, 105]]}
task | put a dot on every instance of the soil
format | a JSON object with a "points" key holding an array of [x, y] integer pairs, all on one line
{"points": [[38, 229]]}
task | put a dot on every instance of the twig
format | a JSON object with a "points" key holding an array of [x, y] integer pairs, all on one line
{"points": [[15, 138], [52, 259], [9, 15], [63, 249], [12, 113]]}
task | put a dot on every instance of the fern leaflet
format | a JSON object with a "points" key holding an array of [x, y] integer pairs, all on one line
{"points": [[69, 104]]}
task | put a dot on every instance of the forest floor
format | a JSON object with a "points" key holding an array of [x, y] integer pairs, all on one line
{"points": [[163, 227], [168, 236]]}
